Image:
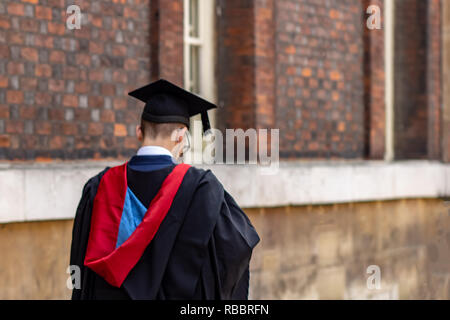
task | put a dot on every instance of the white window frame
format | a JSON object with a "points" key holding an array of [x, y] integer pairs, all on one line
{"points": [[206, 44]]}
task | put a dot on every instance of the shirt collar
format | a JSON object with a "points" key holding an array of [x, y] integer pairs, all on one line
{"points": [[153, 151]]}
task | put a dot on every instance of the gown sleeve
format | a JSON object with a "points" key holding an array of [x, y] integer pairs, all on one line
{"points": [[230, 251], [80, 236]]}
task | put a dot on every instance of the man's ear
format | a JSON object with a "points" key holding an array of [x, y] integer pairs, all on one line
{"points": [[139, 133], [181, 134]]}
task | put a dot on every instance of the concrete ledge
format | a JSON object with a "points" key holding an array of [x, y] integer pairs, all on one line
{"points": [[30, 192]]}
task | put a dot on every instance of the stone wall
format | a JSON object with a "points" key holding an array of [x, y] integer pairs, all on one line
{"points": [[306, 252], [322, 252]]}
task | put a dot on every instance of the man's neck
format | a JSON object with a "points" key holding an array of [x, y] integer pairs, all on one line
{"points": [[153, 150], [158, 143]]}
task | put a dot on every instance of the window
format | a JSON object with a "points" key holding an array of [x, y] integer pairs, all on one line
{"points": [[199, 57]]}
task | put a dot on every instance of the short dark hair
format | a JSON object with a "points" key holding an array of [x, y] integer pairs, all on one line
{"points": [[154, 129]]}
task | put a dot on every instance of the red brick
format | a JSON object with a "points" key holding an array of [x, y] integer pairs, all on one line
{"points": [[29, 141], [43, 128], [83, 59], [107, 116], [71, 73], [334, 14], [108, 89], [56, 85], [29, 54], [95, 47], [95, 129], [69, 129], [97, 21], [4, 23], [4, 112], [5, 141], [120, 76], [70, 100], [82, 115], [335, 76], [14, 126], [131, 64], [16, 38], [290, 50], [130, 13], [16, 9], [45, 41], [43, 13], [57, 56], [42, 98], [56, 142], [95, 102], [29, 25], [56, 3], [28, 83], [119, 50], [341, 127], [81, 87], [56, 28], [43, 70], [306, 72], [14, 96], [3, 81], [120, 103], [28, 113], [96, 75], [120, 130], [56, 114], [15, 68], [131, 143]]}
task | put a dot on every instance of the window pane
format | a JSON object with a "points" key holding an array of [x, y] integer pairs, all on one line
{"points": [[193, 18], [194, 72]]}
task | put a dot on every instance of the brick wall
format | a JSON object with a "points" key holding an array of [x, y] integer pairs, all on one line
{"points": [[308, 67], [63, 93], [319, 78], [166, 40], [235, 67], [313, 70], [298, 66], [410, 83]]}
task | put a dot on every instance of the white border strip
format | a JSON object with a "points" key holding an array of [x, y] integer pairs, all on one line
{"points": [[51, 192]]}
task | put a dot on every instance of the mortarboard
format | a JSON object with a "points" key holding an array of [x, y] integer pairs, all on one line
{"points": [[166, 102]]}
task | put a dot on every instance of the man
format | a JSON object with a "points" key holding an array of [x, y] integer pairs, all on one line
{"points": [[155, 229]]}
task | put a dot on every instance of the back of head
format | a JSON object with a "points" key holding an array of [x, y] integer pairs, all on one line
{"points": [[156, 131]]}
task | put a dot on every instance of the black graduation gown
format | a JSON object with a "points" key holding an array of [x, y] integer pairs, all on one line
{"points": [[201, 250]]}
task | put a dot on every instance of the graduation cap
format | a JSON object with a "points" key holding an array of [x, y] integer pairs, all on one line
{"points": [[165, 102]]}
